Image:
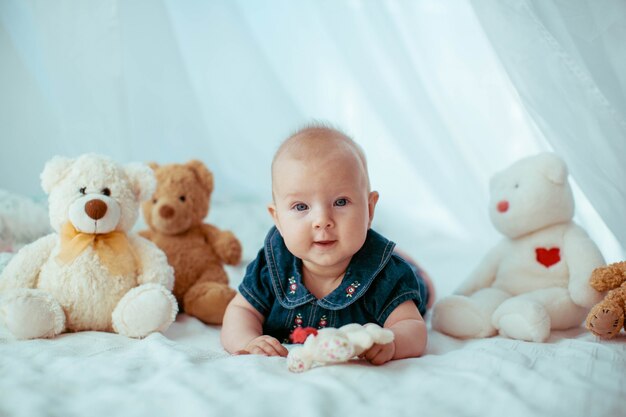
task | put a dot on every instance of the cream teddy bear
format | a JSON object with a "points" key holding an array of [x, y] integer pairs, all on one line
{"points": [[536, 278], [332, 345], [90, 273]]}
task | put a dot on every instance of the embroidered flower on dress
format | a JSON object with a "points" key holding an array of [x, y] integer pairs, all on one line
{"points": [[292, 285], [298, 320], [352, 288]]}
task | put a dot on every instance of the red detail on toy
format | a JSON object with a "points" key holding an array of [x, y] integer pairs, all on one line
{"points": [[503, 206], [300, 334], [548, 257]]}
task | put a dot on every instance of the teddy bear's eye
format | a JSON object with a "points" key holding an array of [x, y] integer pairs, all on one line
{"points": [[182, 198], [83, 190], [106, 191], [516, 185], [154, 201]]}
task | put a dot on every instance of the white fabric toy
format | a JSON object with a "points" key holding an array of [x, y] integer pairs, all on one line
{"points": [[89, 274], [22, 221], [536, 278], [332, 345]]}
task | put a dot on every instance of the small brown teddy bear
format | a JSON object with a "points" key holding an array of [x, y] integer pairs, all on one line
{"points": [[196, 250], [606, 318]]}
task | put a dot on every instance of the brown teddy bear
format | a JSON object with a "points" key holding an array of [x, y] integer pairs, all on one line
{"points": [[197, 251], [606, 318]]}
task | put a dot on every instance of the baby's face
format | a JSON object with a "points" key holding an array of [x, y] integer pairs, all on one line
{"points": [[322, 208]]}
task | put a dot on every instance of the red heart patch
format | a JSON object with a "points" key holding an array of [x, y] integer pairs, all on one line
{"points": [[548, 257]]}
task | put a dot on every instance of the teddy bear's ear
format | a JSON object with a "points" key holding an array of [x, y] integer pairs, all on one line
{"points": [[153, 165], [54, 171], [142, 180], [202, 173], [553, 167]]}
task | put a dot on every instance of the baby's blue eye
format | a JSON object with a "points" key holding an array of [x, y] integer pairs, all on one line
{"points": [[301, 207], [341, 202]]}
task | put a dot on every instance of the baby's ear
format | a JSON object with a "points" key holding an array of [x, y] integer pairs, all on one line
{"points": [[202, 173], [54, 171], [371, 206], [142, 180], [271, 208]]}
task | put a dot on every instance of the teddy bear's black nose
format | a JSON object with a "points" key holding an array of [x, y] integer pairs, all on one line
{"points": [[166, 211], [96, 209]]}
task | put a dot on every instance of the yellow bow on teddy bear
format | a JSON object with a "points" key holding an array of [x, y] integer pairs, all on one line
{"points": [[112, 248]]}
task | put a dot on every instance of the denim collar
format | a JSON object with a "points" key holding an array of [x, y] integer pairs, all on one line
{"points": [[286, 272]]}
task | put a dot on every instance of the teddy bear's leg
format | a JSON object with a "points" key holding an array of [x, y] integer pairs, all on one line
{"points": [[207, 301], [468, 317], [143, 310], [522, 319], [31, 314], [530, 316], [606, 318]]}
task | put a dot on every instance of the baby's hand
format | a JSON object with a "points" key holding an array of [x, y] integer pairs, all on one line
{"points": [[379, 354], [265, 345]]}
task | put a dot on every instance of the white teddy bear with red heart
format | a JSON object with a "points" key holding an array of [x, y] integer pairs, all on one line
{"points": [[90, 273], [537, 278]]}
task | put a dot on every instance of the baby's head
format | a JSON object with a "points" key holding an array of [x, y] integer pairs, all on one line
{"points": [[322, 203]]}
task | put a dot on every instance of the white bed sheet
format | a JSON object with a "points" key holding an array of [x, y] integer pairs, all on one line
{"points": [[186, 372]]}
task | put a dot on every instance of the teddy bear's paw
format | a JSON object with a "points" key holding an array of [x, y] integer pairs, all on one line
{"points": [[208, 301], [296, 362], [334, 349], [229, 248], [522, 320], [604, 321], [459, 316], [143, 310], [31, 314]]}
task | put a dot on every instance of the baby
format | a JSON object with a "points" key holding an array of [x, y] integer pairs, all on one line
{"points": [[322, 265]]}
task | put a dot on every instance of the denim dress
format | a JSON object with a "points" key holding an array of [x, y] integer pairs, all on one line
{"points": [[376, 281]]}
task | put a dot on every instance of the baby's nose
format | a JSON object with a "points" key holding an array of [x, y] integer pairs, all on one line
{"points": [[323, 220]]}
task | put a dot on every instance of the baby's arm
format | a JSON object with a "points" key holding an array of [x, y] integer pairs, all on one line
{"points": [[410, 336], [242, 331]]}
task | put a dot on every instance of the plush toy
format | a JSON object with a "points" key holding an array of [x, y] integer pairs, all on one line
{"points": [[89, 274], [331, 345], [607, 317], [196, 250], [22, 221], [536, 278]]}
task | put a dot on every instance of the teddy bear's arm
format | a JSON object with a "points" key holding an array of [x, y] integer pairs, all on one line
{"points": [[226, 245], [23, 269], [582, 256], [485, 273], [153, 263]]}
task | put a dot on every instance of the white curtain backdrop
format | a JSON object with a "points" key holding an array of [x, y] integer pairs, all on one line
{"points": [[569, 69], [440, 94]]}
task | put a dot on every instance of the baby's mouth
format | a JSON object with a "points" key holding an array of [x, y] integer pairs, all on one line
{"points": [[324, 243]]}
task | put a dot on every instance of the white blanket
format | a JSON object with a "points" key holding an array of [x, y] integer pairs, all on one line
{"points": [[186, 372]]}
